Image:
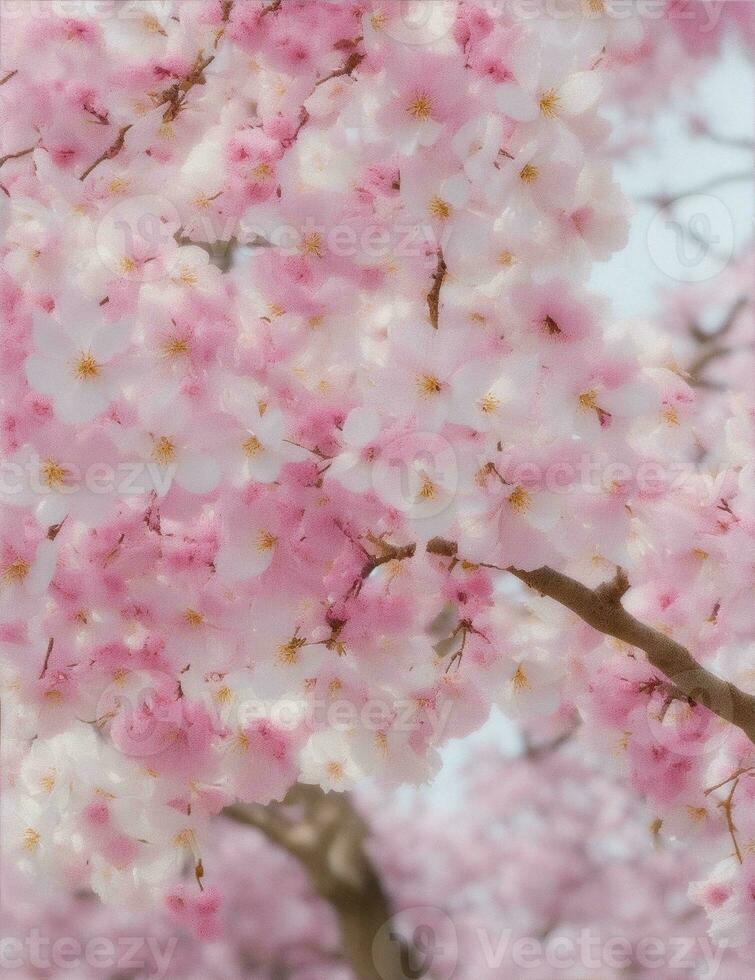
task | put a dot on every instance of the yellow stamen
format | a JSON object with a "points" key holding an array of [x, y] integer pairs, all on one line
{"points": [[251, 446], [670, 415], [420, 107], [16, 572], [313, 244], [240, 742], [47, 782], [53, 474], [439, 208], [428, 384], [588, 400], [163, 451], [520, 500], [335, 770], [288, 653], [86, 367], [31, 840], [427, 490], [188, 276], [489, 403], [529, 173], [186, 838], [127, 265], [520, 681], [223, 695], [550, 103], [175, 347], [266, 541], [193, 618], [623, 741], [152, 24]]}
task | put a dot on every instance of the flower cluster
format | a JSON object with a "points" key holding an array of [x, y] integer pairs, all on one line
{"points": [[293, 290], [584, 888]]}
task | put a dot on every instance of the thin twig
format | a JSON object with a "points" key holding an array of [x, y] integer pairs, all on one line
{"points": [[50, 645], [17, 154], [433, 297], [112, 151]]}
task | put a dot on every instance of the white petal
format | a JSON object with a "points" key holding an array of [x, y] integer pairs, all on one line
{"points": [[544, 511], [631, 399], [109, 340], [43, 374], [515, 102], [49, 336], [43, 569], [81, 402], [234, 563], [197, 473], [580, 92], [455, 190], [428, 133], [362, 426], [468, 251], [270, 426], [264, 467]]}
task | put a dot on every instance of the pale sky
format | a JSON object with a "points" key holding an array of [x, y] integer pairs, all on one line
{"points": [[727, 98]]}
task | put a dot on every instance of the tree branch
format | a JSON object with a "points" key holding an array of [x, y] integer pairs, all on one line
{"points": [[665, 201], [433, 297], [112, 151], [601, 608], [17, 154], [327, 836]]}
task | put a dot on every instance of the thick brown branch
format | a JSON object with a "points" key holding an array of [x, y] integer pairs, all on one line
{"points": [[324, 832], [602, 609], [671, 658]]}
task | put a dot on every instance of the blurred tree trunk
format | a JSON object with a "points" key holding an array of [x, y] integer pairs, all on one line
{"points": [[324, 832]]}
